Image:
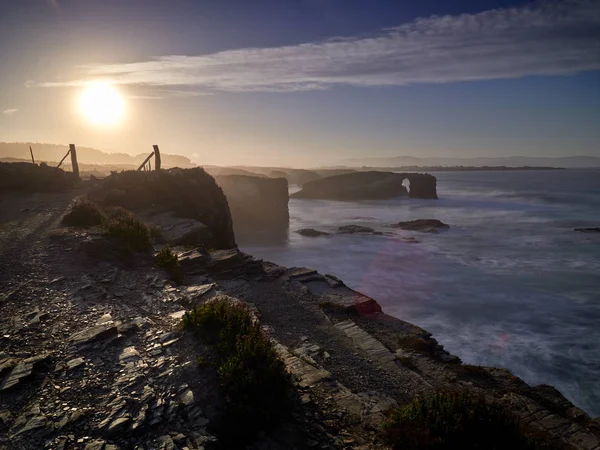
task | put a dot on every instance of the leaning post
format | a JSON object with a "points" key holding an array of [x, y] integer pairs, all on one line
{"points": [[31, 151], [156, 157], [73, 152]]}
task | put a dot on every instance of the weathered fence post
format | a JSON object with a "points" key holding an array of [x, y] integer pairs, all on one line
{"points": [[31, 151], [74, 163], [64, 157], [157, 161], [145, 161]]}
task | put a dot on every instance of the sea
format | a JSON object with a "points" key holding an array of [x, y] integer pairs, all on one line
{"points": [[510, 284]]}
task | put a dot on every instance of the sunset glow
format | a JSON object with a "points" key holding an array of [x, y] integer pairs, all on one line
{"points": [[102, 104]]}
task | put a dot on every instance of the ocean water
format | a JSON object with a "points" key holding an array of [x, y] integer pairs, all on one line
{"points": [[509, 285]]}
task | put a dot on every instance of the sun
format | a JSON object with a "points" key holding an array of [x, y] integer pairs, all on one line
{"points": [[102, 104]]}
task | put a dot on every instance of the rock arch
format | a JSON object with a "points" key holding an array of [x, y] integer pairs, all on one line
{"points": [[421, 185]]}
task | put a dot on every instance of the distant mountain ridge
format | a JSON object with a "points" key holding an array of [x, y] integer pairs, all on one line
{"points": [[85, 155], [569, 162]]}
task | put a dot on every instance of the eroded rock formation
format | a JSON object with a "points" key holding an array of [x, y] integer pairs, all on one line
{"points": [[181, 193], [369, 186], [257, 204]]}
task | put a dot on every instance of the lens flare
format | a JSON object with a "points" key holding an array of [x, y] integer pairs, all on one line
{"points": [[102, 104]]}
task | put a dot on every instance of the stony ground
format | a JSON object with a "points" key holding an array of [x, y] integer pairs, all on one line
{"points": [[92, 354]]}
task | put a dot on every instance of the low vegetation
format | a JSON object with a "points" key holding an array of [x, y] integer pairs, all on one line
{"points": [[27, 177], [255, 386], [125, 226], [115, 222], [454, 421], [168, 260], [83, 213]]}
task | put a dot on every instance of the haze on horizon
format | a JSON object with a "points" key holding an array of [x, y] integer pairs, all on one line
{"points": [[303, 82]]}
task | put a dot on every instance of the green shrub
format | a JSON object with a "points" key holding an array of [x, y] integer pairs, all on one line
{"points": [[125, 226], [453, 421], [167, 260], [83, 213], [255, 386]]}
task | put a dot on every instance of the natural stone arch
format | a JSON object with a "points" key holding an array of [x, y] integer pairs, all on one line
{"points": [[421, 185]]}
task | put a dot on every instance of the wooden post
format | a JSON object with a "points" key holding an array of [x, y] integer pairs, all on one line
{"points": [[31, 151], [150, 165], [146, 160], [157, 161], [64, 157], [73, 151]]}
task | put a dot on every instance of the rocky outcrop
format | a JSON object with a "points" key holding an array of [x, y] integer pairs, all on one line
{"points": [[311, 232], [588, 230], [357, 229], [369, 186], [257, 204], [180, 193], [422, 225], [422, 185]]}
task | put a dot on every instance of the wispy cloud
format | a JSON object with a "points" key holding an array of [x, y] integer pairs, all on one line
{"points": [[9, 112], [550, 38]]}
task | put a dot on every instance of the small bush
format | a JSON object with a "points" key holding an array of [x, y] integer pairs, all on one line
{"points": [[255, 386], [83, 213], [167, 260], [415, 343], [125, 226], [454, 421]]}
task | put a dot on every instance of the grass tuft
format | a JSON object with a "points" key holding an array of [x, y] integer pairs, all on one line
{"points": [[167, 260], [125, 226], [254, 383], [83, 213], [454, 421]]}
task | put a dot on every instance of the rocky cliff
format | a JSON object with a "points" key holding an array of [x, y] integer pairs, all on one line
{"points": [[369, 186], [174, 193], [257, 204], [93, 354]]}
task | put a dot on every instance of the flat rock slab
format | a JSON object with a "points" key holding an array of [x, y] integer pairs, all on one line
{"points": [[180, 231], [22, 372], [94, 334], [350, 300], [306, 374], [371, 346], [195, 292], [75, 363]]}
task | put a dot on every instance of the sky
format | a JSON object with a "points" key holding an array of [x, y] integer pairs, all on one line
{"points": [[307, 82]]}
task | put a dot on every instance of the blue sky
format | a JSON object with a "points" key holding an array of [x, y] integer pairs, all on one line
{"points": [[307, 82]]}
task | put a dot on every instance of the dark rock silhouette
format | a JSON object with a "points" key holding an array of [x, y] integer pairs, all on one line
{"points": [[27, 177], [369, 186], [182, 193], [256, 204], [311, 232], [588, 230], [357, 229], [422, 225]]}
